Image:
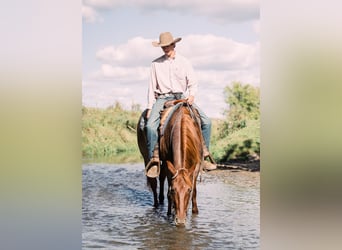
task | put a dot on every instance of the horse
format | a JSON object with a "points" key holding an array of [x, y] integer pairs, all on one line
{"points": [[181, 155], [142, 144]]}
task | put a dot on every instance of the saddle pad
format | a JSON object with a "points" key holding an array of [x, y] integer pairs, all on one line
{"points": [[166, 115]]}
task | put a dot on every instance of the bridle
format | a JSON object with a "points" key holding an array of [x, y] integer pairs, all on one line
{"points": [[177, 172]]}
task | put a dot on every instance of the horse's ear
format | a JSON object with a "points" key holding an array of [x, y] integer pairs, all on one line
{"points": [[171, 167]]}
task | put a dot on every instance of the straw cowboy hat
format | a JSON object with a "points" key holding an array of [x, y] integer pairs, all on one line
{"points": [[165, 39]]}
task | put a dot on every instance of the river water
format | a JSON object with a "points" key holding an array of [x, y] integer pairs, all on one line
{"points": [[118, 213]]}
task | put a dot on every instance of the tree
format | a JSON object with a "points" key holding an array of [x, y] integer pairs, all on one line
{"points": [[244, 104]]}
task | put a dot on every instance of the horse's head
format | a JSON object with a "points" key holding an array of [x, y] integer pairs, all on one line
{"points": [[180, 191]]}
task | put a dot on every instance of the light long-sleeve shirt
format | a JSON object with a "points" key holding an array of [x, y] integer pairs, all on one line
{"points": [[171, 75]]}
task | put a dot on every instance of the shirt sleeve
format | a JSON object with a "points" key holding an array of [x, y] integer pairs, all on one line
{"points": [[191, 79], [151, 88]]}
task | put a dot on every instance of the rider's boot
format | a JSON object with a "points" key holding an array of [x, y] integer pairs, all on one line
{"points": [[206, 164], [152, 168]]}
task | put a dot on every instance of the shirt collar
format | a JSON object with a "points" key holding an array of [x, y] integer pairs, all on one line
{"points": [[170, 58]]}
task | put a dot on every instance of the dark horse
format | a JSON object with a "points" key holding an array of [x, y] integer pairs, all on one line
{"points": [[181, 154]]}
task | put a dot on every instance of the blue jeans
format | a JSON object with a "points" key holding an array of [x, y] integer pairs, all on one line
{"points": [[154, 120]]}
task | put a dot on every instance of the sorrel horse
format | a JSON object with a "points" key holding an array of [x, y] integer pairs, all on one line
{"points": [[181, 153]]}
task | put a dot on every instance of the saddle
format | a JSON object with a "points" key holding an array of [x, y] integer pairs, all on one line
{"points": [[169, 108], [165, 115]]}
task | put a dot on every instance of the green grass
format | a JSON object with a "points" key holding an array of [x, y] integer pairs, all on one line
{"points": [[108, 135], [242, 144]]}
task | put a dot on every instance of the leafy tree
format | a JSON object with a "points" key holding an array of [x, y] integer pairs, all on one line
{"points": [[244, 104]]}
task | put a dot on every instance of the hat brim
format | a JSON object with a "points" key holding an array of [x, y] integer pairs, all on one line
{"points": [[156, 44]]}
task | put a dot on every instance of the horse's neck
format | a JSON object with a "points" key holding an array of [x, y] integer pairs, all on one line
{"points": [[174, 134]]}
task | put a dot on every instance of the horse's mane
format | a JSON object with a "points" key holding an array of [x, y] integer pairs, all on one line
{"points": [[182, 138], [191, 139]]}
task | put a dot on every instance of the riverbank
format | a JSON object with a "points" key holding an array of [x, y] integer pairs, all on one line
{"points": [[250, 166], [110, 133], [233, 165]]}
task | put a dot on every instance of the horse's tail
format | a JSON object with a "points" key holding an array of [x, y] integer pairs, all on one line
{"points": [[141, 136]]}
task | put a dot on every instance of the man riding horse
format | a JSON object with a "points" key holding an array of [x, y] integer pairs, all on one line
{"points": [[172, 76]]}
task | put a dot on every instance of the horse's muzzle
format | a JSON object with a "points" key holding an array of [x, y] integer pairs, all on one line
{"points": [[180, 222]]}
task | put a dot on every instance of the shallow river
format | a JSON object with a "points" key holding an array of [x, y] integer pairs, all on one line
{"points": [[118, 213]]}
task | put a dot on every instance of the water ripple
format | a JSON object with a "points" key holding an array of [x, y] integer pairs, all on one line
{"points": [[117, 211]]}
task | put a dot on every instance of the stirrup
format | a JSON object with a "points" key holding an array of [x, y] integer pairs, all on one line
{"points": [[210, 158], [152, 168], [209, 166]]}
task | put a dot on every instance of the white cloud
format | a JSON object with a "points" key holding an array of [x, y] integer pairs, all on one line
{"points": [[256, 26], [105, 4], [217, 62], [135, 52], [221, 10], [90, 15], [221, 78], [219, 57], [213, 52], [121, 74], [103, 94]]}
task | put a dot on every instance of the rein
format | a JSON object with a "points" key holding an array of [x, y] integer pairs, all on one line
{"points": [[192, 114], [190, 111], [193, 179]]}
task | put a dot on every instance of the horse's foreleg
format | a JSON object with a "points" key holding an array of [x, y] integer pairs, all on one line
{"points": [[194, 201], [169, 203], [169, 197], [162, 178], [153, 184], [161, 188]]}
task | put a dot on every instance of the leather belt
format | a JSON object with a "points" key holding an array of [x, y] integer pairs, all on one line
{"points": [[177, 95]]}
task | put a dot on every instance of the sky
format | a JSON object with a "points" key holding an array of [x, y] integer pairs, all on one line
{"points": [[219, 37]]}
